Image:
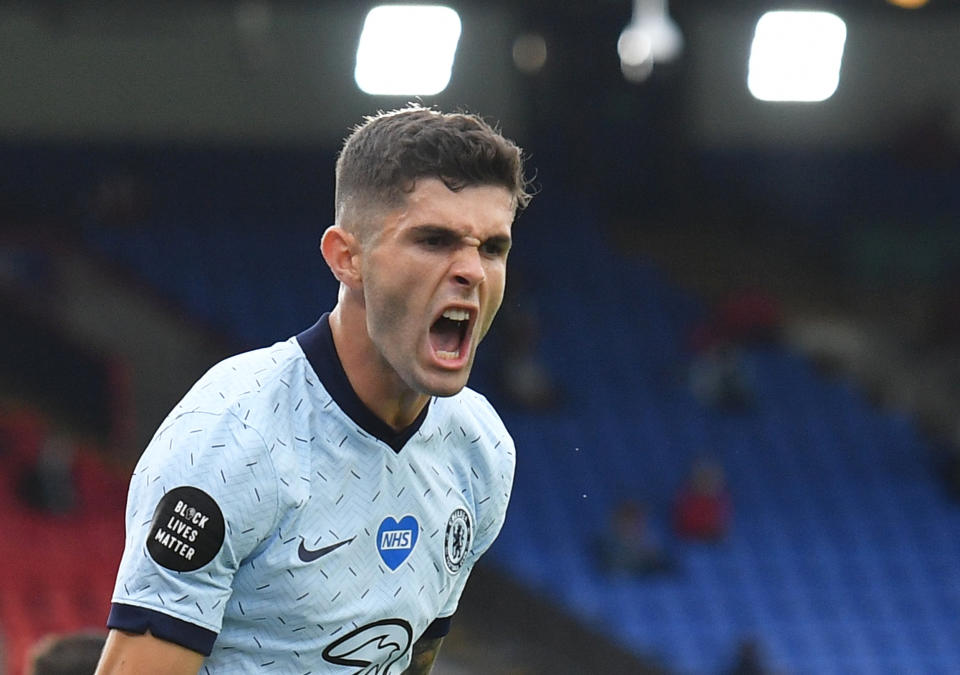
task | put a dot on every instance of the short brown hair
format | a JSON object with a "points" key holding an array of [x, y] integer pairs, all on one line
{"points": [[385, 155]]}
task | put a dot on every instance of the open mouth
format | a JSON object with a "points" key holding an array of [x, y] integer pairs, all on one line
{"points": [[448, 334]]}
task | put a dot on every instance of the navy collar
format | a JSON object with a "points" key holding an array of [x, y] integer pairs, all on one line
{"points": [[317, 343]]}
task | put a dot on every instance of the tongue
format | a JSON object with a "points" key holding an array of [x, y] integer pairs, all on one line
{"points": [[445, 336]]}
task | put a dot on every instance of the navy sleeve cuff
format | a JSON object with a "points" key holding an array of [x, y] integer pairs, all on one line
{"points": [[139, 620], [438, 629]]}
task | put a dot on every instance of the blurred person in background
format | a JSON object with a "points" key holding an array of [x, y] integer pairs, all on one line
{"points": [[718, 378], [317, 506], [630, 544], [66, 654], [525, 379], [718, 374], [48, 483], [703, 508], [749, 659]]}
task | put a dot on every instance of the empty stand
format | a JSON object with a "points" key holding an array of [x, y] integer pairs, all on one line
{"points": [[842, 557]]}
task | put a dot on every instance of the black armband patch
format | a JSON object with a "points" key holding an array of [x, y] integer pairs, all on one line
{"points": [[187, 530]]}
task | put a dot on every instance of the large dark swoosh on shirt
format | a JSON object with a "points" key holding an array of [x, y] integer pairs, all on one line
{"points": [[306, 555]]}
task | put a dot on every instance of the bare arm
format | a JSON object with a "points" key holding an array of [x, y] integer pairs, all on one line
{"points": [[129, 653], [424, 654]]}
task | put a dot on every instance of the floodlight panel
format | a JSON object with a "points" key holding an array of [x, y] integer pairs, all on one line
{"points": [[796, 56], [407, 50]]}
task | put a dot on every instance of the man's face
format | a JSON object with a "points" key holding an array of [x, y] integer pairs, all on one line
{"points": [[433, 279]]}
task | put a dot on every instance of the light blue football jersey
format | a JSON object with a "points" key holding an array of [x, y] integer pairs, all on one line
{"points": [[275, 524]]}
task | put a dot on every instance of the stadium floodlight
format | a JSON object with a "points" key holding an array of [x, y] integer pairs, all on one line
{"points": [[407, 50], [651, 37], [796, 56]]}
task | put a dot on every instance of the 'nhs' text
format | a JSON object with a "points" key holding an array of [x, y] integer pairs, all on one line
{"points": [[396, 539]]}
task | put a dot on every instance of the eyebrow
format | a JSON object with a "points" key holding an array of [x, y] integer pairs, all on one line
{"points": [[445, 231]]}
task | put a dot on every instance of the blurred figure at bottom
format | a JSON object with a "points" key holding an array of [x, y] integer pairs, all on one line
{"points": [[66, 654], [749, 659]]}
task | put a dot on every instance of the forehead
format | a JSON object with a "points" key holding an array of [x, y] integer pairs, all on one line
{"points": [[480, 211]]}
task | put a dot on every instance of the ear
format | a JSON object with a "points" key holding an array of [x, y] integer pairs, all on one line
{"points": [[341, 250]]}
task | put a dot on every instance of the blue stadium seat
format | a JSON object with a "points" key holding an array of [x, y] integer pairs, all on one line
{"points": [[843, 554]]}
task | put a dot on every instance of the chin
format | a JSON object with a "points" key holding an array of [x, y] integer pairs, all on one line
{"points": [[446, 385], [445, 391]]}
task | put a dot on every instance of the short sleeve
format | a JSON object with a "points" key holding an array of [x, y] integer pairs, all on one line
{"points": [[203, 497], [493, 494]]}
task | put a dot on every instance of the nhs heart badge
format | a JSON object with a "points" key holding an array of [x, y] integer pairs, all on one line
{"points": [[396, 539]]}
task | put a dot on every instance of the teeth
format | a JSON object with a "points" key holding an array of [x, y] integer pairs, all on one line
{"points": [[448, 355], [456, 314]]}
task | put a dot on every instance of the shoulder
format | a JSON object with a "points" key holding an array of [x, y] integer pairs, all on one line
{"points": [[225, 429], [260, 390], [485, 458], [474, 406], [471, 415], [254, 374], [275, 392], [471, 408]]}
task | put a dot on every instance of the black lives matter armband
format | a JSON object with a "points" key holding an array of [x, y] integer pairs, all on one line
{"points": [[187, 530]]}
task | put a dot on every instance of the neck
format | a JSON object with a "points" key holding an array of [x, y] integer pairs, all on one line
{"points": [[372, 379]]}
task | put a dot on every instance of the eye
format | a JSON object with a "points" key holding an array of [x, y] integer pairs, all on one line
{"points": [[435, 240], [495, 248]]}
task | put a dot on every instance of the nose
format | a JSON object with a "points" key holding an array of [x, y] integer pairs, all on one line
{"points": [[468, 268]]}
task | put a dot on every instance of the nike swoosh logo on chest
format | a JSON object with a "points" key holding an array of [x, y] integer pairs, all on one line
{"points": [[308, 555]]}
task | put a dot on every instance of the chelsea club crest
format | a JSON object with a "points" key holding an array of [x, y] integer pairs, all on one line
{"points": [[456, 543]]}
